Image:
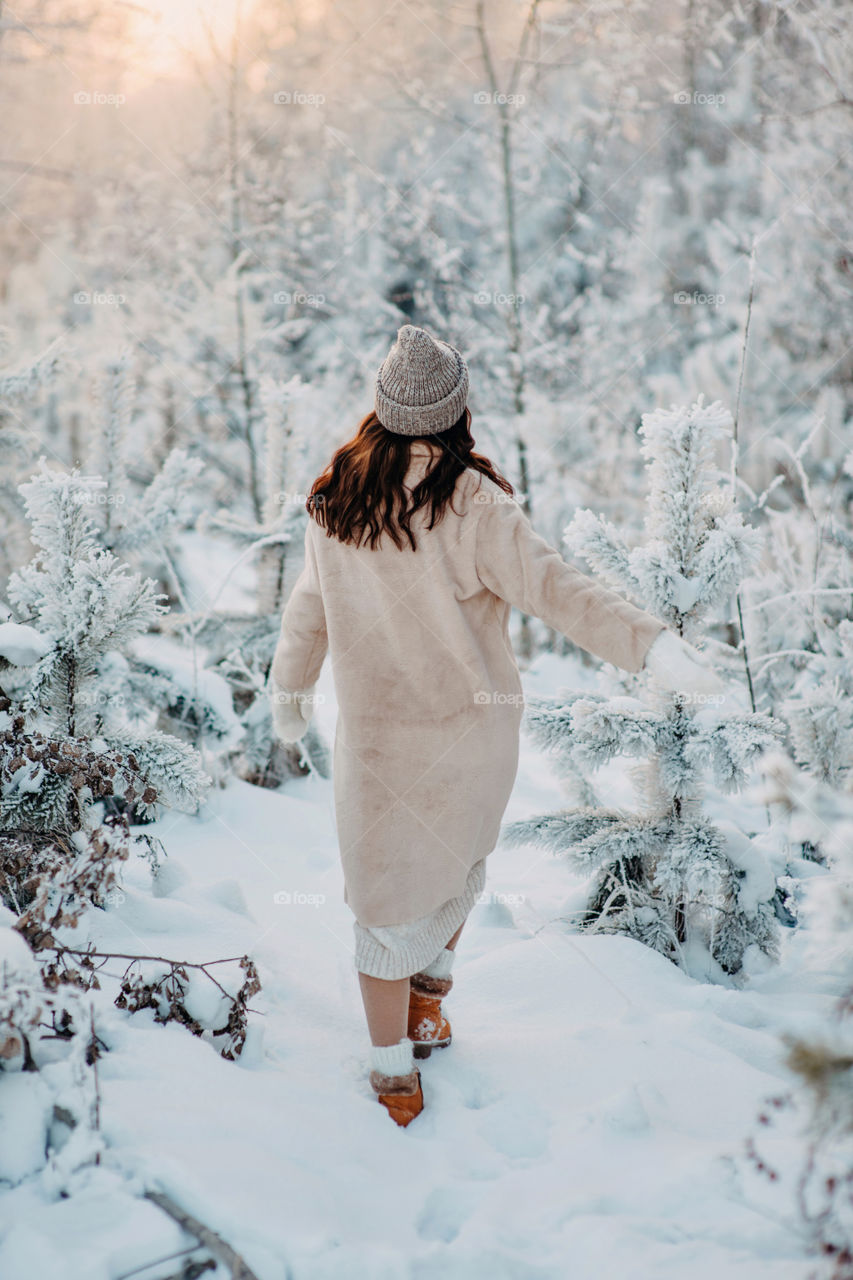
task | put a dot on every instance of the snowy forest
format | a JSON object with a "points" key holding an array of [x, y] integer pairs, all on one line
{"points": [[634, 219]]}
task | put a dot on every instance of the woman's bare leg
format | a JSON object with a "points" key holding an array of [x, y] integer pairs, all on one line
{"points": [[451, 945], [386, 1005]]}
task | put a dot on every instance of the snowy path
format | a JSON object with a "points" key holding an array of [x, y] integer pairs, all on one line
{"points": [[587, 1121]]}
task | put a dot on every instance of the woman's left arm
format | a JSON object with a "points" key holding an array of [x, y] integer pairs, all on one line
{"points": [[518, 565]]}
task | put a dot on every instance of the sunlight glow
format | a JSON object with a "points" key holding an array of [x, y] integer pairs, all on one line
{"points": [[171, 30]]}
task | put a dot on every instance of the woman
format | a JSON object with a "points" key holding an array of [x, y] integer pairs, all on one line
{"points": [[414, 554]]}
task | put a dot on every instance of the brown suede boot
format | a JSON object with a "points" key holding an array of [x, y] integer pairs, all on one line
{"points": [[402, 1096], [428, 1027]]}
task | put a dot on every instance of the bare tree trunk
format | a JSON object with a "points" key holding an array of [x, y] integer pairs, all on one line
{"points": [[272, 558], [502, 102], [168, 435], [241, 367], [75, 440], [71, 694], [734, 475]]}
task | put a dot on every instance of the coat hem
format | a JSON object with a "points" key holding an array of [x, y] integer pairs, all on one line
{"points": [[408, 953]]}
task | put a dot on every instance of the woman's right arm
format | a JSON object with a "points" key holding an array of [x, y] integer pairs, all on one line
{"points": [[301, 648]]}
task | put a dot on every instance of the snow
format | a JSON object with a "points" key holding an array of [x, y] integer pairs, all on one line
{"points": [[27, 779], [14, 952], [590, 1117], [24, 1110], [176, 661], [21, 645], [685, 591], [759, 881], [592, 1107]]}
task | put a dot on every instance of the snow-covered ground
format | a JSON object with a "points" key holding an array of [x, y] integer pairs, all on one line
{"points": [[588, 1120]]}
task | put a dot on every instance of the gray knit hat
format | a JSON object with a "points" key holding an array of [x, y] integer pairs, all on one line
{"points": [[422, 384]]}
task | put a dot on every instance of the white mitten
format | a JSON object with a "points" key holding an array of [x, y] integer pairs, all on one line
{"points": [[679, 667], [291, 712]]}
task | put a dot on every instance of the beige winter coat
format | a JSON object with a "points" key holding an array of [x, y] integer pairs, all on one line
{"points": [[428, 688]]}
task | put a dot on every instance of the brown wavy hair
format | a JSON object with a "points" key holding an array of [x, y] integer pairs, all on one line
{"points": [[360, 494]]}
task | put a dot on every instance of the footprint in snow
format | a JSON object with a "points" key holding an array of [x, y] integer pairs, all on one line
{"points": [[624, 1113], [516, 1128], [474, 1089], [445, 1212], [495, 915], [228, 894]]}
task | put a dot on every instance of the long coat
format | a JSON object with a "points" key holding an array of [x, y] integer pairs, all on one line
{"points": [[428, 688]]}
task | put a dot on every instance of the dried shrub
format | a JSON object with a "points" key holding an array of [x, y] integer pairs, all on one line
{"points": [[167, 995]]}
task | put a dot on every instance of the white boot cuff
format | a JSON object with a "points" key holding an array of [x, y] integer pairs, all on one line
{"points": [[392, 1059], [441, 965]]}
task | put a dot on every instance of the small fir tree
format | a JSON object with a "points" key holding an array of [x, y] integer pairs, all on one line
{"points": [[68, 751], [666, 875]]}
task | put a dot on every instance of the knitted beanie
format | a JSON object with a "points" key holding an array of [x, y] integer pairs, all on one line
{"points": [[422, 384]]}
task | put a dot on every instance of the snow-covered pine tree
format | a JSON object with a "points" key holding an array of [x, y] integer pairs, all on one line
{"points": [[73, 774], [81, 596], [699, 892], [819, 711], [72, 769], [799, 613], [241, 648], [135, 511], [804, 654], [23, 379], [116, 394], [138, 506]]}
